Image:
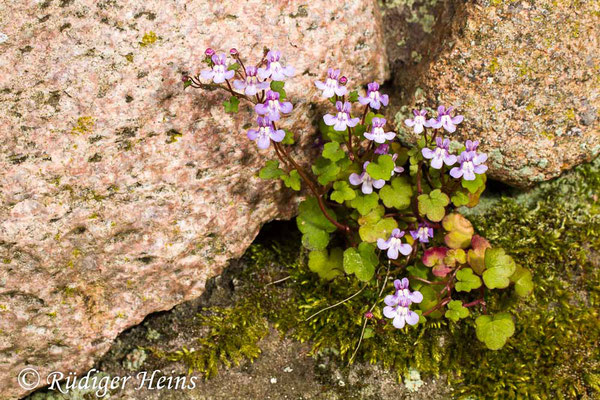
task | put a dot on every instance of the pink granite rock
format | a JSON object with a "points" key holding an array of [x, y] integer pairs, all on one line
{"points": [[525, 76], [120, 194]]}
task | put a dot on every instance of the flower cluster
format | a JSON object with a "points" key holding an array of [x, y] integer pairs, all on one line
{"points": [[253, 81], [397, 305], [374, 206], [471, 162]]}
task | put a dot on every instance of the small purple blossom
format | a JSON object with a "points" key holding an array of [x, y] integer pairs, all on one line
{"points": [[445, 120], [397, 305], [382, 149], [251, 85], [272, 106], [218, 73], [377, 134], [274, 69], [440, 155], [342, 120], [419, 122], [332, 85], [471, 163], [373, 98], [422, 234], [265, 133], [365, 179], [402, 292], [397, 169], [394, 245]]}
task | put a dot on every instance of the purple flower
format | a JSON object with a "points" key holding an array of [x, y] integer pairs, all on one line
{"points": [[373, 98], [272, 106], [274, 69], [423, 233], [440, 155], [445, 120], [332, 85], [377, 134], [401, 314], [218, 73], [397, 305], [382, 149], [397, 169], [366, 180], [394, 245], [402, 292], [251, 84], [418, 122], [265, 133], [342, 120], [471, 163]]}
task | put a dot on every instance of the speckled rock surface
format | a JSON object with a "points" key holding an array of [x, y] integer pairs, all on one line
{"points": [[525, 75], [120, 194]]}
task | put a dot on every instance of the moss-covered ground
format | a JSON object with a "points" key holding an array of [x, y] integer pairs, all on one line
{"points": [[554, 230]]}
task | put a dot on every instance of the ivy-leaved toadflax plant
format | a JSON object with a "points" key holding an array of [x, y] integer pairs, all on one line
{"points": [[387, 215]]}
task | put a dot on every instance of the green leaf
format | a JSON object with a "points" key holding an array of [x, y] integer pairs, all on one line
{"points": [[460, 231], [473, 186], [271, 170], [419, 271], [382, 168], [369, 118], [433, 205], [233, 67], [523, 281], [292, 180], [342, 192], [476, 255], [231, 105], [359, 130], [364, 203], [332, 151], [494, 330], [456, 311], [353, 96], [187, 83], [289, 137], [315, 227], [398, 194], [369, 333], [460, 198], [383, 228], [331, 134], [361, 262], [327, 265], [430, 299], [467, 280], [277, 86], [499, 267], [326, 170]]}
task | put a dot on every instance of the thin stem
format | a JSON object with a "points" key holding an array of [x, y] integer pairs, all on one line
{"points": [[350, 148], [336, 304], [438, 306], [278, 281], [362, 333]]}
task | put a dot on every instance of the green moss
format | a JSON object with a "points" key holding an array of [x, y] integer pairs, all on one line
{"points": [[554, 230]]}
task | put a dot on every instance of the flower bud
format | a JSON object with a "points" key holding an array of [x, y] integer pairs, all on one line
{"points": [[368, 315], [343, 80], [209, 52], [185, 78], [233, 51]]}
